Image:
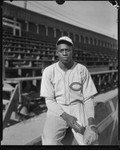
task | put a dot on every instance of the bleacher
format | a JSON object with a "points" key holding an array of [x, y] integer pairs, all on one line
{"points": [[26, 53], [33, 54]]}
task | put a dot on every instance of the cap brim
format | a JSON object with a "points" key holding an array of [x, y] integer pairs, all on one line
{"points": [[64, 41]]}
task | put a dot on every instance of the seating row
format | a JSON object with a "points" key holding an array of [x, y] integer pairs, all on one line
{"points": [[38, 42], [22, 55], [28, 50], [21, 39], [45, 50], [15, 63], [33, 43], [12, 55]]}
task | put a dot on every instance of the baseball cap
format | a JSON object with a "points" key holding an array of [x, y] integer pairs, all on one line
{"points": [[64, 39]]}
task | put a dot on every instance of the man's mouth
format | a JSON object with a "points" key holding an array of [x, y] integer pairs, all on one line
{"points": [[65, 58]]}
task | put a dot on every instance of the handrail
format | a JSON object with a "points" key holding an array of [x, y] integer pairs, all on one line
{"points": [[103, 72], [15, 80]]}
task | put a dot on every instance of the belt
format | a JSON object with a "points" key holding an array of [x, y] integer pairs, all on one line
{"points": [[77, 101]]}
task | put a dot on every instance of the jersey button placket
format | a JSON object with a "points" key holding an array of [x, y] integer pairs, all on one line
{"points": [[66, 87]]}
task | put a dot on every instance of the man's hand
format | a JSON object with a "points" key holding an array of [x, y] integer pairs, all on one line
{"points": [[71, 121], [90, 135]]}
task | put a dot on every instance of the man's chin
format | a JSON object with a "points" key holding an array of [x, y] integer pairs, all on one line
{"points": [[65, 61]]}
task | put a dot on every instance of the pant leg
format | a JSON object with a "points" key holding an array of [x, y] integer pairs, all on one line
{"points": [[78, 111], [54, 130], [78, 137]]}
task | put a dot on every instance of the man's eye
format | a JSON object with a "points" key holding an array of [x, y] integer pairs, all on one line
{"points": [[67, 50]]}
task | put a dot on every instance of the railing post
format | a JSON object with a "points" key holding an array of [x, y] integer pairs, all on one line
{"points": [[11, 106], [20, 91], [99, 82]]}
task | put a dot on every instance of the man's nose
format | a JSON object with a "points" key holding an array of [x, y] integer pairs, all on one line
{"points": [[64, 52]]}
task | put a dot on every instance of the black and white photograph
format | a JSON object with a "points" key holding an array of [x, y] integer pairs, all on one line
{"points": [[60, 72]]}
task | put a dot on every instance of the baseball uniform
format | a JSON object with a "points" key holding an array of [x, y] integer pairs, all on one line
{"points": [[70, 91]]}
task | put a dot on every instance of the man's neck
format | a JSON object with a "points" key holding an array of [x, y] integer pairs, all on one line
{"points": [[65, 67]]}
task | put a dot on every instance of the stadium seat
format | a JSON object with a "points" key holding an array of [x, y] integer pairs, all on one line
{"points": [[30, 47]]}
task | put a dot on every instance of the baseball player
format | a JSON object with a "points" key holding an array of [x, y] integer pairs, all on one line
{"points": [[68, 90]]}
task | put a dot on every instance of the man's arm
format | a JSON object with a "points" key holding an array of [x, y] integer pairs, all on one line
{"points": [[90, 111], [53, 106], [89, 90], [89, 108], [90, 135]]}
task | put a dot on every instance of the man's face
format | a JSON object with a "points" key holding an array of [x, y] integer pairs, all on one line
{"points": [[64, 53]]}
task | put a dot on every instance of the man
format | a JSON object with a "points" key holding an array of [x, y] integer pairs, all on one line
{"points": [[68, 90]]}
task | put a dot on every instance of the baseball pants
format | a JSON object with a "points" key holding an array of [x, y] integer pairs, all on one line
{"points": [[55, 126]]}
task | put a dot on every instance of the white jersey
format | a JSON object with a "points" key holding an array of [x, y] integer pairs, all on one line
{"points": [[67, 87], [67, 91]]}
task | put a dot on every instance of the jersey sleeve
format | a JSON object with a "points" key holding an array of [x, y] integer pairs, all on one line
{"points": [[89, 108], [46, 89], [54, 107], [89, 88]]}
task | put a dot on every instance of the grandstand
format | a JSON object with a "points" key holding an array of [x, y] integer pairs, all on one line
{"points": [[29, 46]]}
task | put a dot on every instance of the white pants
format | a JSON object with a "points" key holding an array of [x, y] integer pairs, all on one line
{"points": [[55, 126]]}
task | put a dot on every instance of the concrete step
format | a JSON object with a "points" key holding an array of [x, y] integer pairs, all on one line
{"points": [[25, 132]]}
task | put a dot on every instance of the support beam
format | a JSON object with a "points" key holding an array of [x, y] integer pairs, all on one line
{"points": [[54, 32], [61, 32], [27, 26], [11, 106], [46, 29], [37, 26]]}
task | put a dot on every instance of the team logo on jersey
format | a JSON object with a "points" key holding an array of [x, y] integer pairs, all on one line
{"points": [[76, 86]]}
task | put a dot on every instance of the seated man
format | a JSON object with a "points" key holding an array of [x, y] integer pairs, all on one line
{"points": [[68, 90]]}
